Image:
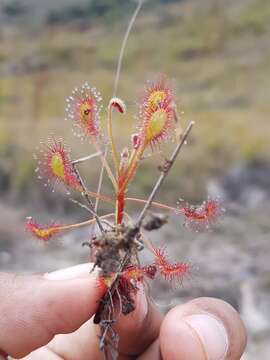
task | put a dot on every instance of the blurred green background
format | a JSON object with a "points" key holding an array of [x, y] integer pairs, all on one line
{"points": [[218, 54], [216, 51]]}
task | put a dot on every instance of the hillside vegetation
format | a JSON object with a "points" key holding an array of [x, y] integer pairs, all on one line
{"points": [[217, 51]]}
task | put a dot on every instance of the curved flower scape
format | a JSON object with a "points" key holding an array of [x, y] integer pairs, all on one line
{"points": [[118, 104]]}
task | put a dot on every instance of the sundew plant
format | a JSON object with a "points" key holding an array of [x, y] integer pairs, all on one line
{"points": [[116, 239]]}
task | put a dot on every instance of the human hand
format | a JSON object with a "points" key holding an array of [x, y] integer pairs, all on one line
{"points": [[34, 310]]}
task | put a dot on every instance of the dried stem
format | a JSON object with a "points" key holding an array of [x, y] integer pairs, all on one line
{"points": [[83, 206], [164, 173], [84, 223], [85, 158], [105, 164], [85, 194], [155, 204], [89, 210], [100, 180]]}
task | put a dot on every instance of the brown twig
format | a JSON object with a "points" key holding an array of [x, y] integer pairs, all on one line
{"points": [[164, 174], [85, 194], [85, 158], [100, 180]]}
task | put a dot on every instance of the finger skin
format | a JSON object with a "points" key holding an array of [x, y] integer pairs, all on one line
{"points": [[33, 310], [43, 353], [139, 329], [152, 352], [2, 355], [178, 342], [136, 332]]}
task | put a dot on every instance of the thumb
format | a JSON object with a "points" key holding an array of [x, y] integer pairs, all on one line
{"points": [[35, 308]]}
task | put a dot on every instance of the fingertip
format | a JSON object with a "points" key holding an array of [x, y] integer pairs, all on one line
{"points": [[202, 329], [232, 321], [178, 342]]}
